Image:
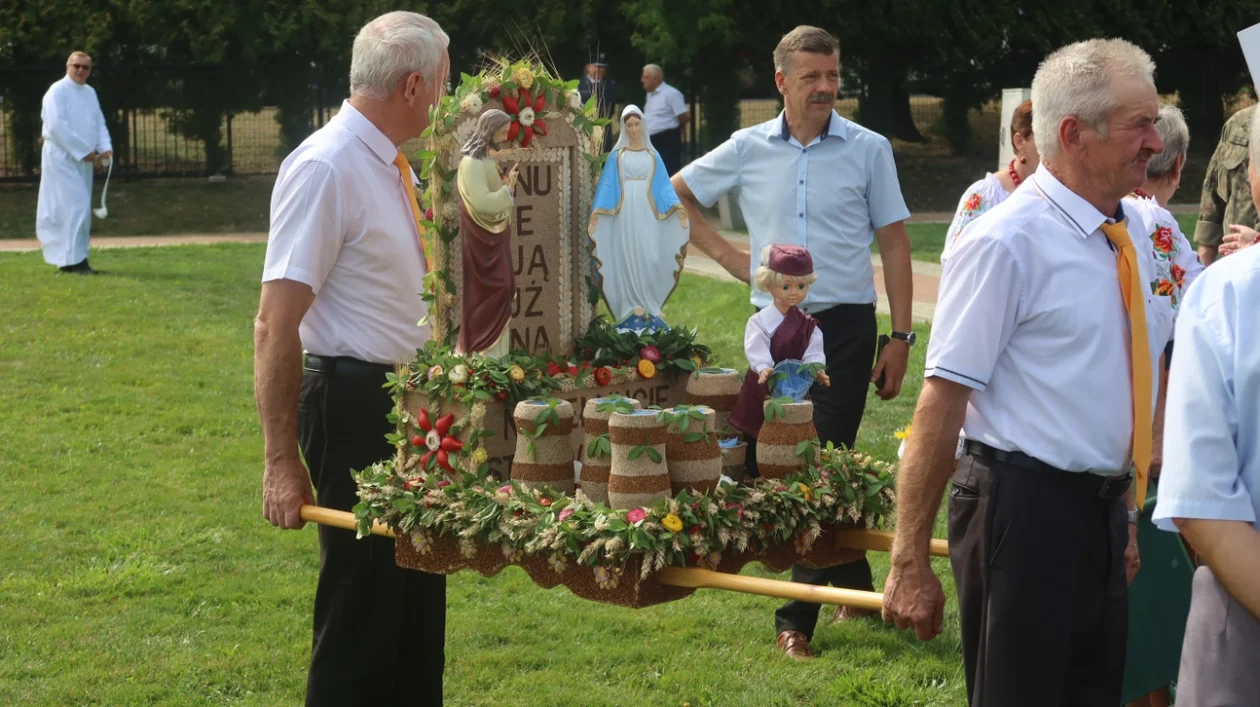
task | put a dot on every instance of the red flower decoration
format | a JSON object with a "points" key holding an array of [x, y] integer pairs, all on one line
{"points": [[603, 376], [1163, 238], [515, 106], [1178, 274], [973, 203], [436, 439]]}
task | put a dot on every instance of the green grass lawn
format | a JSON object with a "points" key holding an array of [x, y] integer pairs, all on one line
{"points": [[136, 568], [154, 207]]}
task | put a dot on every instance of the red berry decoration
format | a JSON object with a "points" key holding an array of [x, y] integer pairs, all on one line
{"points": [[428, 214], [495, 90], [501, 396], [650, 353], [436, 439]]}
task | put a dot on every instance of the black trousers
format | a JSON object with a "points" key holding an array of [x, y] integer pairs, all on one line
{"points": [[849, 333], [379, 629], [1038, 562], [668, 144]]}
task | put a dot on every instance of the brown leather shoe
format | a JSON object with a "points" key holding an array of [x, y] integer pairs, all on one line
{"points": [[794, 645], [846, 613]]}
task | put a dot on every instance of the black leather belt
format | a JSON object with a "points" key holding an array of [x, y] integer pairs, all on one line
{"points": [[345, 366], [1102, 486]]}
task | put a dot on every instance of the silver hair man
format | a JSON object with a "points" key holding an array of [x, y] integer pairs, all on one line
{"points": [[482, 141], [1176, 136], [392, 46], [1076, 81], [655, 70]]}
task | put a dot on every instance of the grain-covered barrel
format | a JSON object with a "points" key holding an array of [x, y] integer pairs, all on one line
{"points": [[691, 449], [717, 389], [549, 461], [779, 438], [595, 466], [734, 459], [639, 476]]}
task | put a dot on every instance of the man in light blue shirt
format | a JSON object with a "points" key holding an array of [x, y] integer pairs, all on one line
{"points": [[811, 178], [1209, 488]]}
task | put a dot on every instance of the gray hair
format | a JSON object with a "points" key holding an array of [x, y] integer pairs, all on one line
{"points": [[1076, 81], [392, 46], [814, 40], [655, 70], [482, 140], [1176, 138]]}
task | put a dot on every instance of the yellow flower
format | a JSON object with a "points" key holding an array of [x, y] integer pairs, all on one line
{"points": [[809, 495], [480, 456], [672, 523], [902, 433], [516, 373], [523, 77]]}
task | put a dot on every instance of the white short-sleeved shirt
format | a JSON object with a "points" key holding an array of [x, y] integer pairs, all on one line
{"points": [[662, 108], [1030, 316], [979, 198], [1212, 425], [341, 223], [760, 329], [1176, 261], [828, 196]]}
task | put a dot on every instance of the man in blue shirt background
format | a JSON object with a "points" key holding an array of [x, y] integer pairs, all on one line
{"points": [[811, 178]]}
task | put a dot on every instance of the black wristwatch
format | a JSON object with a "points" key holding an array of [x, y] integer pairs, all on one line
{"points": [[906, 336]]}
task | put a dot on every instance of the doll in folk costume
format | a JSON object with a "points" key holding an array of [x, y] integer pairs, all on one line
{"points": [[779, 332], [485, 209]]}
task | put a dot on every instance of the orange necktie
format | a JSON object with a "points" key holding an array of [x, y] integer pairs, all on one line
{"points": [[1140, 358], [404, 172]]}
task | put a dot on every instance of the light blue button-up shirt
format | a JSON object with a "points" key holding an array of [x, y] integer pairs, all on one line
{"points": [[1212, 419], [828, 196]]}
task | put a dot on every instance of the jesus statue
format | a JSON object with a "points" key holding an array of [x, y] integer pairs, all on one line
{"points": [[486, 206]]}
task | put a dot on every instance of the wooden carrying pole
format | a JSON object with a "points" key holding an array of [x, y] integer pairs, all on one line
{"points": [[705, 579]]}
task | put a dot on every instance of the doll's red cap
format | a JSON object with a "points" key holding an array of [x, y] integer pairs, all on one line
{"points": [[790, 260]]}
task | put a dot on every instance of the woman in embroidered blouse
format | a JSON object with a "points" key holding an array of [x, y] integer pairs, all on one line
{"points": [[996, 186], [1176, 262]]}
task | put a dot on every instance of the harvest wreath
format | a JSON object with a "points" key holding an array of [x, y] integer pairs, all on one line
{"points": [[452, 521]]}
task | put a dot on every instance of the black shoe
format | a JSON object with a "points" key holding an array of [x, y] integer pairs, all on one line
{"points": [[81, 268]]}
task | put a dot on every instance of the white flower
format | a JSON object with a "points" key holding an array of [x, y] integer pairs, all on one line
{"points": [[575, 100], [526, 116], [471, 103], [458, 374]]}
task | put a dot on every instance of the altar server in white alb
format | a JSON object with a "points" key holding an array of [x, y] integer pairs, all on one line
{"points": [[75, 136]]}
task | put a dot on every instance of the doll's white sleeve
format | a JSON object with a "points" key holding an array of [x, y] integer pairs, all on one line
{"points": [[757, 346], [814, 353]]}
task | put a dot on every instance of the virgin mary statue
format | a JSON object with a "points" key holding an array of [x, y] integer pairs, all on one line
{"points": [[638, 229]]}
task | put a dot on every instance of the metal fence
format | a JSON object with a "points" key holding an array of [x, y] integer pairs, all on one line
{"points": [[175, 120], [204, 120]]}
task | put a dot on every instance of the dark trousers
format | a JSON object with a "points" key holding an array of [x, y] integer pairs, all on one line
{"points": [[379, 629], [849, 333], [1038, 562], [668, 144]]}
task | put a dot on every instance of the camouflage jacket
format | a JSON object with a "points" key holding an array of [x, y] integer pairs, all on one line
{"points": [[1226, 190]]}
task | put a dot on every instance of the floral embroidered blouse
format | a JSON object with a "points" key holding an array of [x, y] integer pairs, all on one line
{"points": [[1176, 261], [979, 197]]}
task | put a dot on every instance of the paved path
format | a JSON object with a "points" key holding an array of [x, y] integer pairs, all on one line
{"points": [[926, 278]]}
